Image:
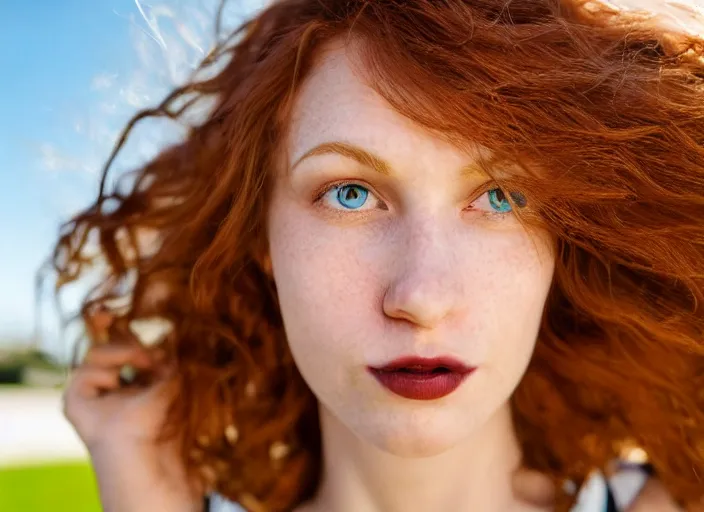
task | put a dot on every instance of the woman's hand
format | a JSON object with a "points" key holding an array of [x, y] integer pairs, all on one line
{"points": [[120, 425]]}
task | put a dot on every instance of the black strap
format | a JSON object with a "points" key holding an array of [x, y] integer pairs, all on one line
{"points": [[610, 501]]}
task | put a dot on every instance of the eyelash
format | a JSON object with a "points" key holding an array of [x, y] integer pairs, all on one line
{"points": [[320, 194]]}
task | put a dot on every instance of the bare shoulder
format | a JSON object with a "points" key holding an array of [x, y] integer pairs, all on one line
{"points": [[654, 498]]}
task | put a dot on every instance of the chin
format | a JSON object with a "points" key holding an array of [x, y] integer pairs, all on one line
{"points": [[416, 448], [417, 436]]}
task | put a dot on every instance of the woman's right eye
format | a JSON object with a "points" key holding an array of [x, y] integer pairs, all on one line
{"points": [[350, 196]]}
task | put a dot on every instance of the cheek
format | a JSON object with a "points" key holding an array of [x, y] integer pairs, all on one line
{"points": [[324, 282], [513, 287]]}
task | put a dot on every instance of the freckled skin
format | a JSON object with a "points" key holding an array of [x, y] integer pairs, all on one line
{"points": [[421, 276]]}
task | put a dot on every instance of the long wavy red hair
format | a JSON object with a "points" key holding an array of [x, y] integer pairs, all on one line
{"points": [[612, 115]]}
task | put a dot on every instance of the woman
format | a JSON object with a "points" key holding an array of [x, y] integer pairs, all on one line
{"points": [[421, 255]]}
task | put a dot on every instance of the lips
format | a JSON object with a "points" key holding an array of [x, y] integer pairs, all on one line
{"points": [[418, 378]]}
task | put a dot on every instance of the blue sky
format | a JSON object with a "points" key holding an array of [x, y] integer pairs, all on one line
{"points": [[73, 73]]}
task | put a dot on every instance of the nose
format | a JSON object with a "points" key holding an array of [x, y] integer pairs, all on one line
{"points": [[427, 286]]}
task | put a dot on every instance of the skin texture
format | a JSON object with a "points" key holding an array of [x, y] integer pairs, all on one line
{"points": [[426, 268]]}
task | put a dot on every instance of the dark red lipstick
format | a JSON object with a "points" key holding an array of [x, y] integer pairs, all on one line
{"points": [[419, 378]]}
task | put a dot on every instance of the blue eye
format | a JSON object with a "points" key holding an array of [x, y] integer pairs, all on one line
{"points": [[352, 196], [498, 201]]}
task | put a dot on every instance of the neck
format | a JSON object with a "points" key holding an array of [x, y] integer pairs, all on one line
{"points": [[474, 475]]}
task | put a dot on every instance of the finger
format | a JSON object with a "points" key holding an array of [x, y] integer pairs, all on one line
{"points": [[89, 382], [111, 356], [163, 374], [162, 384]]}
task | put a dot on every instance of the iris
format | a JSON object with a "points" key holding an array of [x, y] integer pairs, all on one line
{"points": [[352, 196], [498, 200]]}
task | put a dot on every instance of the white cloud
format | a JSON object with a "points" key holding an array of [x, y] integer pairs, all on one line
{"points": [[136, 93], [103, 81], [53, 160], [167, 39], [108, 107]]}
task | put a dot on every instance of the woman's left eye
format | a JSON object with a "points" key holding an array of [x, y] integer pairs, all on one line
{"points": [[498, 200], [495, 201], [349, 196]]}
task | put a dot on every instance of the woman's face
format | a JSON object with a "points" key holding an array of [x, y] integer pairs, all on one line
{"points": [[403, 253]]}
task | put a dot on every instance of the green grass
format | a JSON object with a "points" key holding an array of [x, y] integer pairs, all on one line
{"points": [[60, 487]]}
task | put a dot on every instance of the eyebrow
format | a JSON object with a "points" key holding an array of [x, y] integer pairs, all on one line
{"points": [[368, 159]]}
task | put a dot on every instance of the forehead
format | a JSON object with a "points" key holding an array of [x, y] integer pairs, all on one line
{"points": [[335, 103]]}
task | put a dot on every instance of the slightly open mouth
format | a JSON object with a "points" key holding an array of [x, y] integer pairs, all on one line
{"points": [[423, 371]]}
